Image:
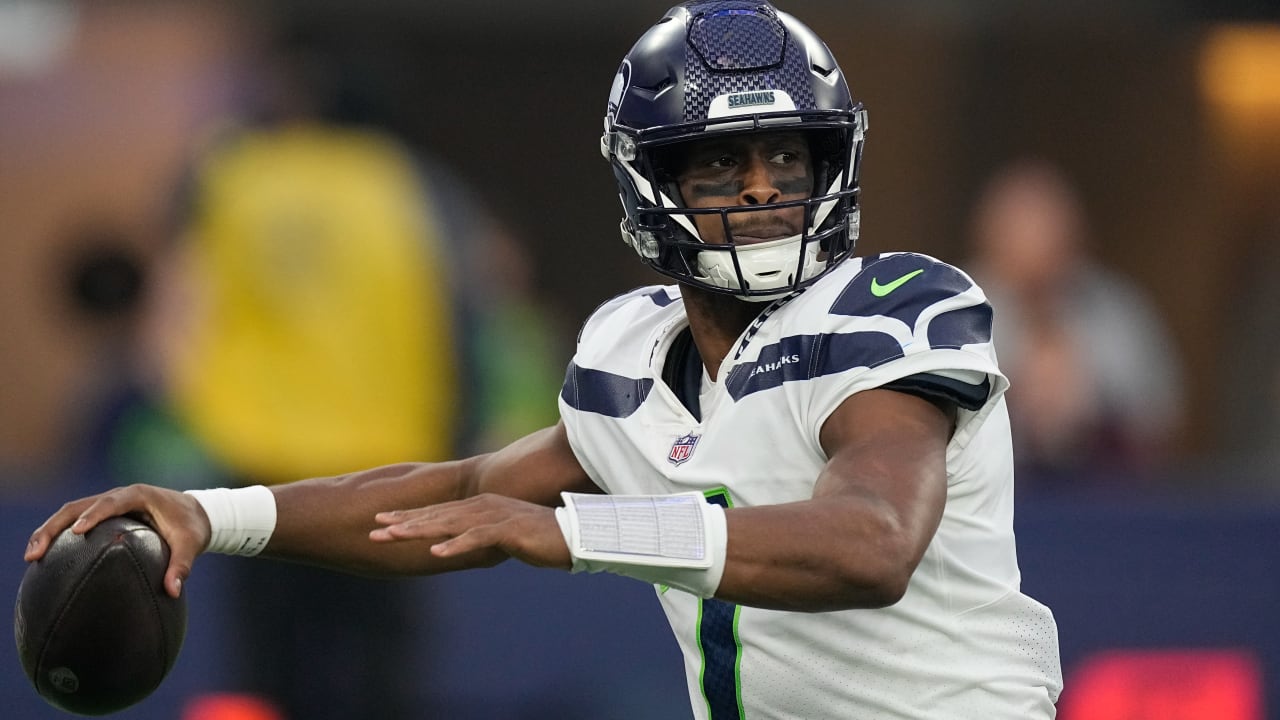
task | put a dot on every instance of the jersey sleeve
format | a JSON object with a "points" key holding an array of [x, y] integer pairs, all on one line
{"points": [[905, 316], [603, 377], [608, 312]]}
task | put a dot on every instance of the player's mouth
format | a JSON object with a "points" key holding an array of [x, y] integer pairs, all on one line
{"points": [[755, 234]]}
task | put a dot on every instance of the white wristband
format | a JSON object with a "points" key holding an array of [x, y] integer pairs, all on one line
{"points": [[678, 540], [242, 519]]}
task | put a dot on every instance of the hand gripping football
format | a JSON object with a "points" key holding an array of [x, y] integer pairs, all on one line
{"points": [[96, 630]]}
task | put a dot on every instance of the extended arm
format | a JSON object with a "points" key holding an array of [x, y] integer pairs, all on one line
{"points": [[874, 510], [327, 521]]}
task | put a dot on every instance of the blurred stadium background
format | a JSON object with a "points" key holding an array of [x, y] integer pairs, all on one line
{"points": [[1164, 113]]}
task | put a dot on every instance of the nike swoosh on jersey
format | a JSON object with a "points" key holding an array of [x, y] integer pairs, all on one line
{"points": [[881, 290]]}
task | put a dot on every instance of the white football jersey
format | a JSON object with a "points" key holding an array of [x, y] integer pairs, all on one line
{"points": [[963, 642]]}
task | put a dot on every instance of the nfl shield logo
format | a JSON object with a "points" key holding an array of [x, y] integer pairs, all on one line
{"points": [[682, 449]]}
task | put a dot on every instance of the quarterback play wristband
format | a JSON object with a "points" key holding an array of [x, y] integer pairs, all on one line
{"points": [[678, 540], [241, 519]]}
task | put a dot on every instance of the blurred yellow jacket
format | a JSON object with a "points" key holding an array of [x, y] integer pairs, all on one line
{"points": [[322, 337]]}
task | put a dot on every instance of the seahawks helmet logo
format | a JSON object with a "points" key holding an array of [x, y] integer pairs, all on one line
{"points": [[748, 99]]}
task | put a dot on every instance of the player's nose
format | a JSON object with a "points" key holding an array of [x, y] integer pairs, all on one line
{"points": [[759, 184]]}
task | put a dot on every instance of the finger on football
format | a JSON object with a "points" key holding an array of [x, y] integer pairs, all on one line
{"points": [[44, 535], [120, 501], [174, 576]]}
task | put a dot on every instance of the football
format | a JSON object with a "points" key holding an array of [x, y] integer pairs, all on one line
{"points": [[96, 630]]}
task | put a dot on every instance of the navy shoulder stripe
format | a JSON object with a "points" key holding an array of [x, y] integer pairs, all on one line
{"points": [[930, 386], [660, 297], [965, 326], [900, 287], [804, 357], [603, 393]]}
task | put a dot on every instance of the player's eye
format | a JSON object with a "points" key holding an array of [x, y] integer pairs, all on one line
{"points": [[722, 161], [785, 157]]}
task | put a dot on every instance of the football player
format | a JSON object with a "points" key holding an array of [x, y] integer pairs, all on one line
{"points": [[807, 453]]}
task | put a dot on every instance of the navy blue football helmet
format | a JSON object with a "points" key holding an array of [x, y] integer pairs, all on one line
{"points": [[719, 67]]}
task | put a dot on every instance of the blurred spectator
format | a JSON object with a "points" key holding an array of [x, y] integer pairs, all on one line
{"points": [[1096, 381], [1250, 396], [333, 301], [98, 106]]}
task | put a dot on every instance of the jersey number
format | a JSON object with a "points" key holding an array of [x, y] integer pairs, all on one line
{"points": [[721, 648]]}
